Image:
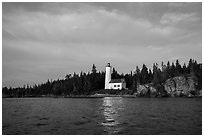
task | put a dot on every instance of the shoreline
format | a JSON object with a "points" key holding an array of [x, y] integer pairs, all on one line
{"points": [[80, 96], [99, 96]]}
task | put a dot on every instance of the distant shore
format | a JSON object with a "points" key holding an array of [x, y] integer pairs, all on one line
{"points": [[97, 96], [77, 96], [125, 93]]}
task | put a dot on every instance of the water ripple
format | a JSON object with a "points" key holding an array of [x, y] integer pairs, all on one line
{"points": [[110, 115]]}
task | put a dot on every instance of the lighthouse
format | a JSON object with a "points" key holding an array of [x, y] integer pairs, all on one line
{"points": [[108, 76], [118, 84]]}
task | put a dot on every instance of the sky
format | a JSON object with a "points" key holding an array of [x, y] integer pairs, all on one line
{"points": [[42, 41]]}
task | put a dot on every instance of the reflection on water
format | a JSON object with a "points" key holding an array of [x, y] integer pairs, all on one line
{"points": [[112, 108]]}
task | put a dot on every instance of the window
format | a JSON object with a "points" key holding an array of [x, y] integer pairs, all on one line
{"points": [[114, 85], [118, 85]]}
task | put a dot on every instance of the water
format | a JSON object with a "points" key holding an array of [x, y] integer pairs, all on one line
{"points": [[96, 116]]}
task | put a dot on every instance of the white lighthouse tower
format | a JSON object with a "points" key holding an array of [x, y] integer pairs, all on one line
{"points": [[108, 76]]}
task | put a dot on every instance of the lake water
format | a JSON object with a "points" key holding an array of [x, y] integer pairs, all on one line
{"points": [[96, 116]]}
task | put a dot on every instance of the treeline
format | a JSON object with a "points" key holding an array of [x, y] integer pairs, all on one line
{"points": [[86, 83]]}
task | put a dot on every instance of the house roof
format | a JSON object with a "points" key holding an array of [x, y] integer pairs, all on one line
{"points": [[116, 80]]}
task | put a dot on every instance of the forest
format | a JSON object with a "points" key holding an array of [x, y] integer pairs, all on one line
{"points": [[89, 83]]}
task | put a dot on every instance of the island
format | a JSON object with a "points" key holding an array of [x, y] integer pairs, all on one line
{"points": [[170, 80]]}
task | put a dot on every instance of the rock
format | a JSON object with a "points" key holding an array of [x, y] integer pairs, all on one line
{"points": [[142, 90], [181, 86], [146, 90], [178, 86]]}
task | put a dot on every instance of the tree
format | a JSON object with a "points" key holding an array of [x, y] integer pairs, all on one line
{"points": [[94, 69], [128, 80], [156, 75], [168, 67], [178, 68], [185, 70], [172, 70], [137, 75], [164, 72], [68, 76], [150, 76], [144, 74], [114, 74], [190, 66]]}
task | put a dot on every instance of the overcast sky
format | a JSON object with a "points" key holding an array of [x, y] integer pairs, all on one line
{"points": [[49, 40]]}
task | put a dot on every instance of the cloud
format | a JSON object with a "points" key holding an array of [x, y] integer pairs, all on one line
{"points": [[98, 26], [175, 18], [49, 40], [92, 26]]}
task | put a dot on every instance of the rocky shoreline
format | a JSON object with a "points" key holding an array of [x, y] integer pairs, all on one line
{"points": [[179, 86]]}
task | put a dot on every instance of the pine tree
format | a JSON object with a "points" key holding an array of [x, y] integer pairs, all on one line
{"points": [[173, 70], [178, 68], [150, 76], [94, 69], [156, 75], [144, 74], [185, 70], [168, 67], [114, 74], [137, 72]]}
